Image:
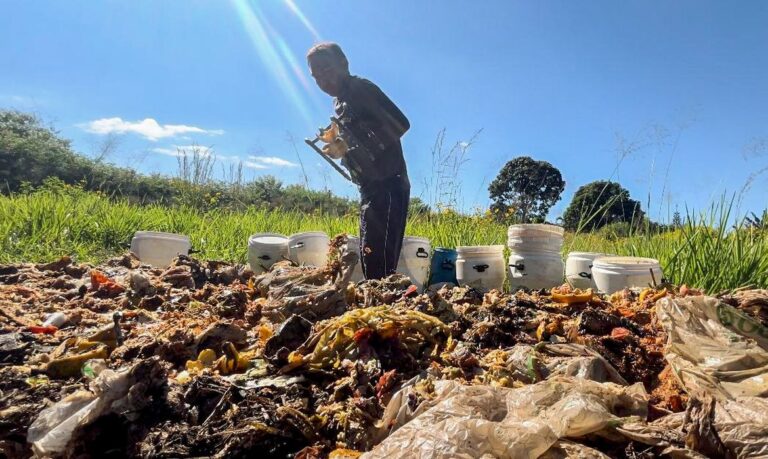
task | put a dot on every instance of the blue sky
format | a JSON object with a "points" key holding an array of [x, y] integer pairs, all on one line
{"points": [[668, 98]]}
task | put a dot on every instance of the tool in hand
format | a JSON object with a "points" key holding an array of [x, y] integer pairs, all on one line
{"points": [[313, 143]]}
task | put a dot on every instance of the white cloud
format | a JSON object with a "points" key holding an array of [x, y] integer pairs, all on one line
{"points": [[188, 150], [272, 161], [253, 162], [166, 151], [253, 165], [148, 128]]}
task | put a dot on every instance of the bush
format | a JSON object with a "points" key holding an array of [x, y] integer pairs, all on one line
{"points": [[31, 153]]}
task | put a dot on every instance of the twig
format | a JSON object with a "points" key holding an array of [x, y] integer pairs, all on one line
{"points": [[224, 397]]}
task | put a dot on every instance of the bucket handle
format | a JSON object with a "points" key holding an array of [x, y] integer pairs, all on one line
{"points": [[421, 253], [585, 275], [265, 257], [480, 268], [447, 264], [298, 245], [191, 251], [518, 266]]}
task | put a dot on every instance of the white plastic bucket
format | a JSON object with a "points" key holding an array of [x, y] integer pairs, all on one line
{"points": [[353, 245], [310, 249], [535, 261], [578, 269], [535, 237], [415, 259], [266, 249], [481, 267], [612, 274], [159, 249], [535, 270]]}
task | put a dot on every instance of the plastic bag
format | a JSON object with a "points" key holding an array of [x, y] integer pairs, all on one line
{"points": [[124, 392], [740, 424], [565, 449], [51, 432], [521, 362], [714, 348], [472, 421]]}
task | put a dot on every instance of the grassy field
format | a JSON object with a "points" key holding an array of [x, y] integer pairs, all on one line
{"points": [[705, 252]]}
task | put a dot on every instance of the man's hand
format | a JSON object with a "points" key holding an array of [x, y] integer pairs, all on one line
{"points": [[328, 134], [336, 149]]}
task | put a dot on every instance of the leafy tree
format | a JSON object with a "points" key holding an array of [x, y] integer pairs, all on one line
{"points": [[525, 190], [601, 203], [418, 207], [31, 152], [677, 220]]}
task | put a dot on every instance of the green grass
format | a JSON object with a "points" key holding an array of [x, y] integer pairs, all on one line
{"points": [[47, 224]]}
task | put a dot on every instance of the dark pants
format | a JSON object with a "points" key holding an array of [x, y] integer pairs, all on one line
{"points": [[383, 213]]}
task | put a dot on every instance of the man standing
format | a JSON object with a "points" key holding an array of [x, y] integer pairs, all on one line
{"points": [[370, 127]]}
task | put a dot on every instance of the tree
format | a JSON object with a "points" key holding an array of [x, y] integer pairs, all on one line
{"points": [[418, 207], [30, 152], [600, 203], [677, 220], [525, 190]]}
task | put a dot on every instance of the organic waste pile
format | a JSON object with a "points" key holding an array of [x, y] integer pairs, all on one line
{"points": [[206, 359]]}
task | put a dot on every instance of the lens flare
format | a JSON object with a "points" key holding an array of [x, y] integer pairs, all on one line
{"points": [[290, 58], [274, 54], [303, 18]]}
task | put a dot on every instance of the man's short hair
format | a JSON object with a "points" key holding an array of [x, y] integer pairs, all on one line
{"points": [[328, 49]]}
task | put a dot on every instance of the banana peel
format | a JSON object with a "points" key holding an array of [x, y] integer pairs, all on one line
{"points": [[577, 296], [106, 335], [230, 362], [67, 360], [651, 295], [343, 453]]}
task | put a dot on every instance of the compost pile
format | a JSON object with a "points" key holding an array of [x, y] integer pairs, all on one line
{"points": [[208, 359]]}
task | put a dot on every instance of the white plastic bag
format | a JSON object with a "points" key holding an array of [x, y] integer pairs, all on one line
{"points": [[124, 392], [472, 421], [52, 430], [714, 348], [571, 360], [741, 424]]}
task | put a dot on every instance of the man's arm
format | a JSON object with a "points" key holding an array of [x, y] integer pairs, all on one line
{"points": [[384, 112]]}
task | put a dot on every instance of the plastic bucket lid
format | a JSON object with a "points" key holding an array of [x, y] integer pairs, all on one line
{"points": [[267, 239], [534, 228], [588, 254], [159, 235], [415, 240], [307, 235], [480, 250], [626, 263]]}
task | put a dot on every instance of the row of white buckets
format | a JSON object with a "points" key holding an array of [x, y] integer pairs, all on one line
{"points": [[266, 249], [534, 261], [311, 249], [609, 274]]}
